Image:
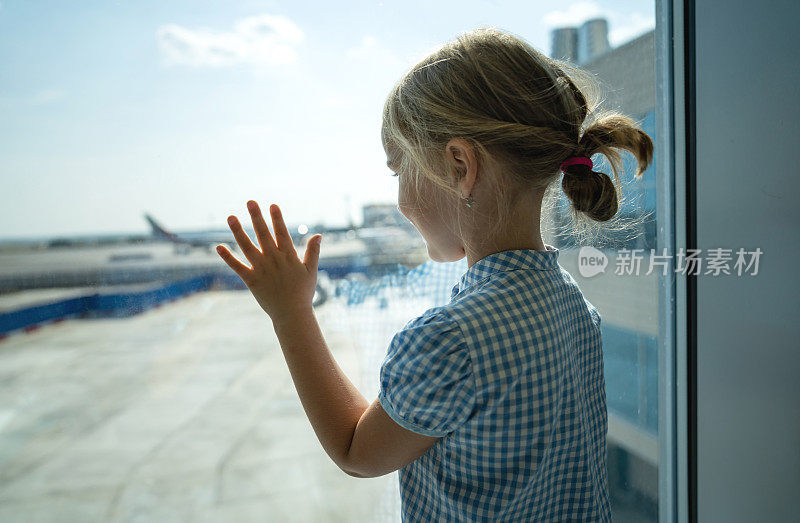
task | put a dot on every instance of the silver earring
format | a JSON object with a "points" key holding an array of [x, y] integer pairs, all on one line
{"points": [[469, 201]]}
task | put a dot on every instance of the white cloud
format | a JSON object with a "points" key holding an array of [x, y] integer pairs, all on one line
{"points": [[45, 96], [574, 15], [622, 27], [629, 27], [259, 40]]}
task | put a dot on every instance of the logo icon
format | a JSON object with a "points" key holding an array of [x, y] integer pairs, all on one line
{"points": [[591, 262]]}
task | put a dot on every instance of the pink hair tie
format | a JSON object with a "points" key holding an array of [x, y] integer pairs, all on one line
{"points": [[577, 160]]}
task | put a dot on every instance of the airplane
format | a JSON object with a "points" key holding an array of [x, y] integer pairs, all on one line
{"points": [[378, 240], [185, 242]]}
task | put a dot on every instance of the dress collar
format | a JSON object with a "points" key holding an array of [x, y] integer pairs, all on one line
{"points": [[507, 261]]}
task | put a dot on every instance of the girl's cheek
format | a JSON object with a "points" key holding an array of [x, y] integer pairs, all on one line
{"points": [[402, 202]]}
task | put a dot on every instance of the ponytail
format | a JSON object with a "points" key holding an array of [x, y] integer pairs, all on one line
{"points": [[593, 192]]}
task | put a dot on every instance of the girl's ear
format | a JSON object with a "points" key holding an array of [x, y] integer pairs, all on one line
{"points": [[461, 156]]}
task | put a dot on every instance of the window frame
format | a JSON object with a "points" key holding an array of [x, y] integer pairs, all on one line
{"points": [[674, 73]]}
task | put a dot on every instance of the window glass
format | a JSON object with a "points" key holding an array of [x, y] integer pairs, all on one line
{"points": [[140, 378]]}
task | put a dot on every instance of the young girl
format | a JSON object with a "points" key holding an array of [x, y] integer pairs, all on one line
{"points": [[492, 407]]}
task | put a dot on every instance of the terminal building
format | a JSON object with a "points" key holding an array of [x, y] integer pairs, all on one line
{"points": [[630, 333], [627, 77]]}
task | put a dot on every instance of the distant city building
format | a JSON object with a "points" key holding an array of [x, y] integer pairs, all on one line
{"points": [[382, 215], [581, 44], [592, 40], [565, 44]]}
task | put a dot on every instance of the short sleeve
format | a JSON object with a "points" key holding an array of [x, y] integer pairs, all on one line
{"points": [[426, 382]]}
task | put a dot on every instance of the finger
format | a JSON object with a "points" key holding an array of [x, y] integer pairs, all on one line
{"points": [[311, 258], [260, 226], [249, 250], [242, 270], [281, 232]]}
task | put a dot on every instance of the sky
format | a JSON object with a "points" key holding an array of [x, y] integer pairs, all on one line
{"points": [[186, 110]]}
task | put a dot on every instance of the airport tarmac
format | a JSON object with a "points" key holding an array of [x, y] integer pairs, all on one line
{"points": [[186, 412]]}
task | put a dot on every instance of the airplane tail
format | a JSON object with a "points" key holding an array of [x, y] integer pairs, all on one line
{"points": [[160, 231]]}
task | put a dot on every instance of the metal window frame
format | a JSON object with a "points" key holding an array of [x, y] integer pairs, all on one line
{"points": [[675, 121]]}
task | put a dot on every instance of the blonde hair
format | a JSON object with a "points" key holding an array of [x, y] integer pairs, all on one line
{"points": [[522, 112]]}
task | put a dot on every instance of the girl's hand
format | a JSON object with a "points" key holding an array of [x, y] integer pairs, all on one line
{"points": [[281, 283]]}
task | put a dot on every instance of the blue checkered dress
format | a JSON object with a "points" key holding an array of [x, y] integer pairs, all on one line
{"points": [[509, 374]]}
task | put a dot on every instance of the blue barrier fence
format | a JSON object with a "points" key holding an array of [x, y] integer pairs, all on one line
{"points": [[115, 304]]}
